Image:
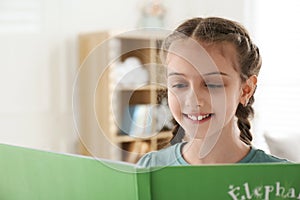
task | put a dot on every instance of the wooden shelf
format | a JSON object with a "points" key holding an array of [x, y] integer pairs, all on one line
{"points": [[143, 88], [111, 98], [127, 138]]}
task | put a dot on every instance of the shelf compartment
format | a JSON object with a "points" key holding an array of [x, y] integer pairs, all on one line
{"points": [[127, 138]]}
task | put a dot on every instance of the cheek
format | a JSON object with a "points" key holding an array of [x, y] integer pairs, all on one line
{"points": [[226, 103], [234, 99], [174, 105], [218, 105]]}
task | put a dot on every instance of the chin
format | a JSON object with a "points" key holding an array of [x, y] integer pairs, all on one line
{"points": [[198, 136], [202, 136]]}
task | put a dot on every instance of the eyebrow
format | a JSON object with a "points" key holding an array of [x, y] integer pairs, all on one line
{"points": [[207, 74], [216, 73], [175, 74]]}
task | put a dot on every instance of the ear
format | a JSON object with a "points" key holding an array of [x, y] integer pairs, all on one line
{"points": [[247, 90]]}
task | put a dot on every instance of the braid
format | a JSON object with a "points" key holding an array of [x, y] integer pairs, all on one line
{"points": [[178, 133], [243, 113], [250, 61]]}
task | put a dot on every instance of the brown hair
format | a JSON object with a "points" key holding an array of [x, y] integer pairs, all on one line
{"points": [[215, 30]]}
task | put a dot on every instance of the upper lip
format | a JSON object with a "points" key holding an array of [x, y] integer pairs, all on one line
{"points": [[198, 116]]}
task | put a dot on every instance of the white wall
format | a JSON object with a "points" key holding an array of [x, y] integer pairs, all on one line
{"points": [[39, 59]]}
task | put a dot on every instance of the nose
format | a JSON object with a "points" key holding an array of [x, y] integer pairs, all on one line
{"points": [[195, 98]]}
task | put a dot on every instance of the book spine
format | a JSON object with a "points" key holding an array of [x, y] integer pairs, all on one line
{"points": [[143, 184]]}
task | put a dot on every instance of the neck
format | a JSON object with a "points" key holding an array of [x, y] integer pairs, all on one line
{"points": [[227, 148]]}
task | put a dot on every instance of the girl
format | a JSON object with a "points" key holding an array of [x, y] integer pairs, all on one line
{"points": [[212, 69]]}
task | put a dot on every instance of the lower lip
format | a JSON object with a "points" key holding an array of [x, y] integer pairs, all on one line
{"points": [[198, 121]]}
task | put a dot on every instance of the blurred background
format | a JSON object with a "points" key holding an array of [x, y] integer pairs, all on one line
{"points": [[39, 54]]}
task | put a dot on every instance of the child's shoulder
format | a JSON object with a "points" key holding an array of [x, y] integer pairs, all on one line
{"points": [[260, 156], [164, 157]]}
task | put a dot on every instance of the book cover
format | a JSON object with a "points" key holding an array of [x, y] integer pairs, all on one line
{"points": [[33, 174], [29, 174]]}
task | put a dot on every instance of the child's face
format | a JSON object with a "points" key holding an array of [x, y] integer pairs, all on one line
{"points": [[204, 88]]}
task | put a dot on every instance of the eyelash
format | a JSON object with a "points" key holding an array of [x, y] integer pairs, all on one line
{"points": [[212, 86], [179, 85]]}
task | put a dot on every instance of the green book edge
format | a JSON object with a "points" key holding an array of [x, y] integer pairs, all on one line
{"points": [[35, 174]]}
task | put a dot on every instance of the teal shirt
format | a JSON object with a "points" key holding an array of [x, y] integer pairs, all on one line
{"points": [[171, 156]]}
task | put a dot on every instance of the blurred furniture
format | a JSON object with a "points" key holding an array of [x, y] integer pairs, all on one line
{"points": [[102, 100], [285, 145]]}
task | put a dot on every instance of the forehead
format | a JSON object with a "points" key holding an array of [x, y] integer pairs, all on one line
{"points": [[202, 57]]}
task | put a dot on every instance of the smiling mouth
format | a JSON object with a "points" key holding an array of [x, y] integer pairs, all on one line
{"points": [[198, 118]]}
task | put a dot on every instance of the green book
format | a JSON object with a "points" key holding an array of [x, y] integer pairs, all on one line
{"points": [[39, 175]]}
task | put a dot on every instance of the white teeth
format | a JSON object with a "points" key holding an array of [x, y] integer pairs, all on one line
{"points": [[199, 117], [192, 117]]}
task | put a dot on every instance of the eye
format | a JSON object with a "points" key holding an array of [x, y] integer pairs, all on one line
{"points": [[212, 86], [179, 85]]}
